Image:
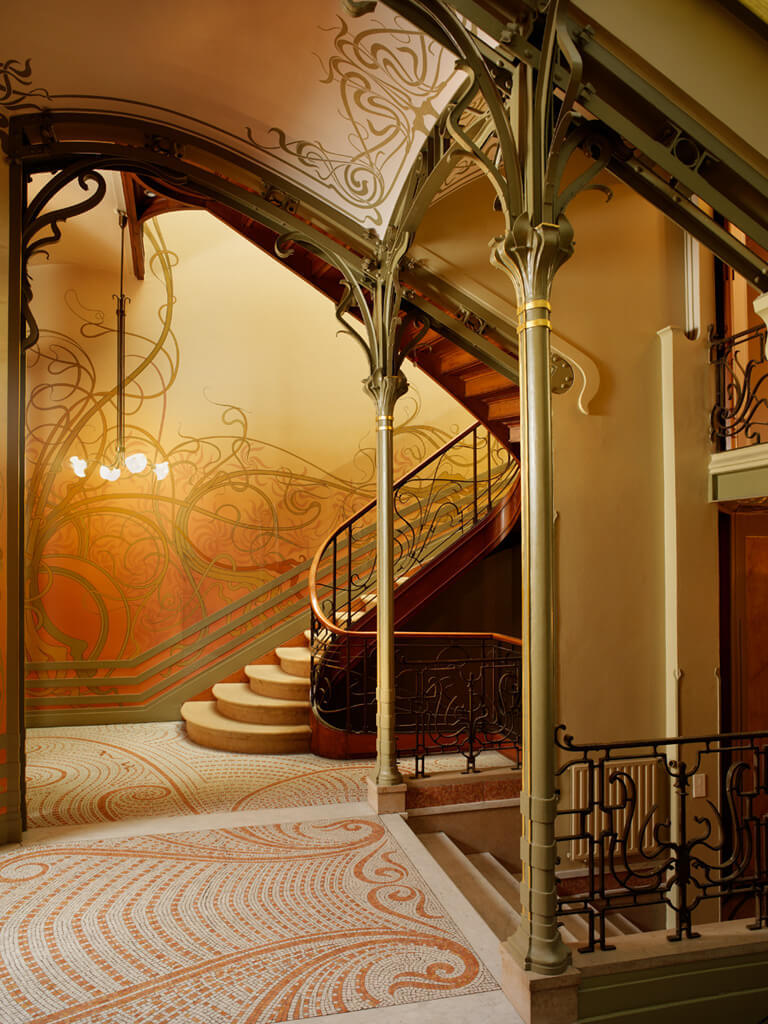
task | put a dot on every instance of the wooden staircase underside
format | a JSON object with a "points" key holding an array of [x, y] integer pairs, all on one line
{"points": [[489, 395]]}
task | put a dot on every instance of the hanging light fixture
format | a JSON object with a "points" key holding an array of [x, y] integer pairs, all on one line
{"points": [[136, 462]]}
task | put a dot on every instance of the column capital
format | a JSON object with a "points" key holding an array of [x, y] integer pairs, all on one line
{"points": [[385, 390], [531, 254]]}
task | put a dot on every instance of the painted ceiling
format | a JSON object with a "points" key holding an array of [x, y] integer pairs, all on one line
{"points": [[337, 106]]}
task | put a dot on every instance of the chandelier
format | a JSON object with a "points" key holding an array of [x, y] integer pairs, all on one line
{"points": [[137, 462]]}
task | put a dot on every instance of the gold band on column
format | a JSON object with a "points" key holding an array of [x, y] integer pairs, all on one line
{"points": [[541, 322]]}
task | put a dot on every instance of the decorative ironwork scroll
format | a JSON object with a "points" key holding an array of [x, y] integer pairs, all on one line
{"points": [[697, 832], [453, 693], [435, 505], [740, 414]]}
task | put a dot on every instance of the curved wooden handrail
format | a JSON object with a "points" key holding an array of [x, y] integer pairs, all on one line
{"points": [[340, 631]]}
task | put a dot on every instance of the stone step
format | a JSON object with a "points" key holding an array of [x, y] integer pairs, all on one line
{"points": [[295, 661], [574, 927], [500, 917], [503, 881], [208, 727], [272, 681], [238, 702], [508, 887]]}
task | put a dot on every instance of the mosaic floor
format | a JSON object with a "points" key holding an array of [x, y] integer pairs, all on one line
{"points": [[241, 925], [98, 773], [83, 774]]}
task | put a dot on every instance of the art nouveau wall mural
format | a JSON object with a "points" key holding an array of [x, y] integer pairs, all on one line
{"points": [[143, 590]]}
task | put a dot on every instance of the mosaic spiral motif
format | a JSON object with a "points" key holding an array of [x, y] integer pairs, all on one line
{"points": [[83, 774], [93, 773], [264, 924]]}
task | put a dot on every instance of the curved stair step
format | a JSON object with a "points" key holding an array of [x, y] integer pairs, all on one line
{"points": [[238, 702], [209, 728], [295, 661], [273, 681]]}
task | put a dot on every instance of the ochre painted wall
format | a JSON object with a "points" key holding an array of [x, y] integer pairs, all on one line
{"points": [[138, 588]]}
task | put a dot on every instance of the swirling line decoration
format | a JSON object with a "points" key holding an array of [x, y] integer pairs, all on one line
{"points": [[16, 92], [388, 80], [118, 579]]}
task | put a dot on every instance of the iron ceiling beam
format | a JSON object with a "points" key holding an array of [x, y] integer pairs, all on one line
{"points": [[658, 148]]}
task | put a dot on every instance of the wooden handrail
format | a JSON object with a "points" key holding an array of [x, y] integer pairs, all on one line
{"points": [[349, 522]]}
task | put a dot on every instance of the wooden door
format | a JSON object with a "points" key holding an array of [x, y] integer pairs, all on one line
{"points": [[746, 690]]}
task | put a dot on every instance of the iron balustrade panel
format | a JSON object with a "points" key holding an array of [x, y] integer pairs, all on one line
{"points": [[457, 695], [739, 416], [453, 695], [670, 822]]}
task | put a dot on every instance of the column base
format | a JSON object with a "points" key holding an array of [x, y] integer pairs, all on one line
{"points": [[551, 957], [386, 799], [540, 998]]}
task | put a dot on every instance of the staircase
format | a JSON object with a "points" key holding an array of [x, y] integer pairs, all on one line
{"points": [[269, 713], [450, 510], [494, 892]]}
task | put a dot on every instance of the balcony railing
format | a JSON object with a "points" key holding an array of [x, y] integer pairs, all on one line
{"points": [[670, 822], [455, 693], [740, 414]]}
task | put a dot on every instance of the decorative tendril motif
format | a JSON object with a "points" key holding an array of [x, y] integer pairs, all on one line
{"points": [[16, 93], [167, 578], [388, 80], [645, 821], [740, 411]]}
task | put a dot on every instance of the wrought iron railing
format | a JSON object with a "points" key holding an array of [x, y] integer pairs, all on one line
{"points": [[438, 502], [670, 822], [740, 414], [454, 691]]}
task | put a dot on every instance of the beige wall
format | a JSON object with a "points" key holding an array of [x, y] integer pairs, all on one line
{"points": [[623, 284], [703, 51]]}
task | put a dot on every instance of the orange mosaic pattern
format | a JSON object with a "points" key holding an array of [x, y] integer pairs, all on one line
{"points": [[246, 925], [83, 774], [78, 775]]}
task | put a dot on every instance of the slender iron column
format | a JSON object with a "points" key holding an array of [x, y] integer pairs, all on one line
{"points": [[385, 392], [531, 256], [537, 941]]}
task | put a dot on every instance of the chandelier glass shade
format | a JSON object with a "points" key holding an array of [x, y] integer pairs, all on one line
{"points": [[136, 462]]}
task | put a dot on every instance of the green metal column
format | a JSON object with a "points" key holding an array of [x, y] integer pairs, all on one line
{"points": [[385, 392], [537, 943]]}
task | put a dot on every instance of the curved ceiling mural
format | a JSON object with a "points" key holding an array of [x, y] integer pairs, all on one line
{"points": [[336, 106]]}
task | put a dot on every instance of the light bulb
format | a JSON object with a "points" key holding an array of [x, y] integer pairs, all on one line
{"points": [[136, 463], [78, 465], [161, 470], [108, 473]]}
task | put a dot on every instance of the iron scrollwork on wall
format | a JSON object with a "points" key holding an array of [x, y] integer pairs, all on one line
{"points": [[740, 413], [669, 823]]}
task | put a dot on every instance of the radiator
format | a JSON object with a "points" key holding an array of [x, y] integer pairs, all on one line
{"points": [[644, 772]]}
